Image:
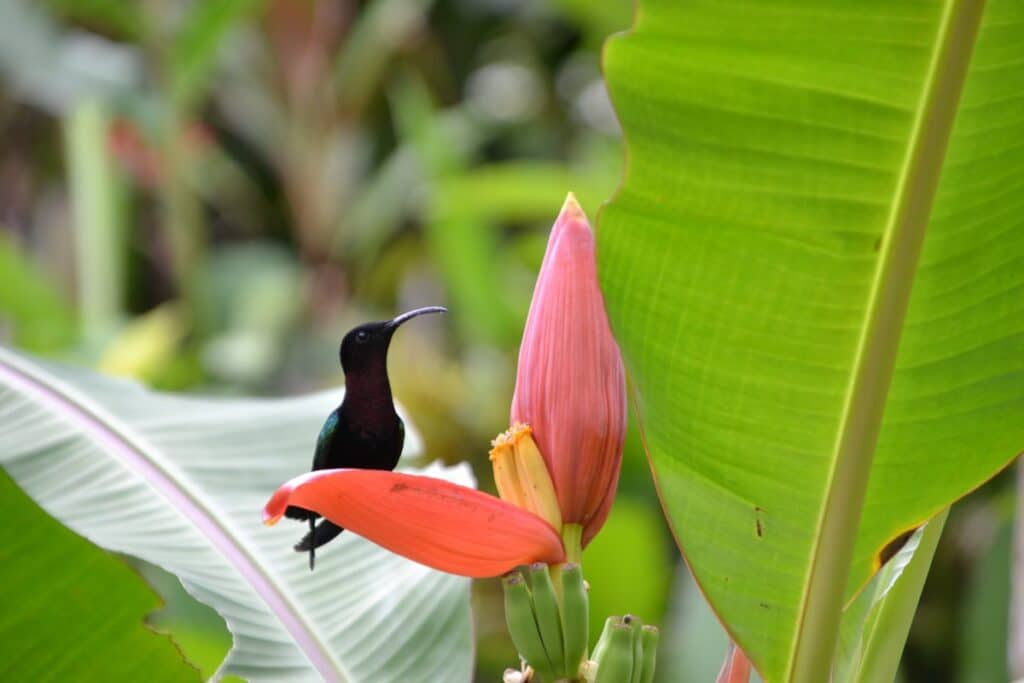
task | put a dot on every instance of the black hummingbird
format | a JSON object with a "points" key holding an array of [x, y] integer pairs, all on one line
{"points": [[364, 432]]}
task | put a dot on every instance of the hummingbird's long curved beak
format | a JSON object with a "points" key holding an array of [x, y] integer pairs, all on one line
{"points": [[405, 317]]}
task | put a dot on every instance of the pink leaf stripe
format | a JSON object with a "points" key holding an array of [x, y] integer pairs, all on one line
{"points": [[439, 524]]}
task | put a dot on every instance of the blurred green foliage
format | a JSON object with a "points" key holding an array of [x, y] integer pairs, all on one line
{"points": [[629, 565], [36, 314], [206, 195], [984, 630]]}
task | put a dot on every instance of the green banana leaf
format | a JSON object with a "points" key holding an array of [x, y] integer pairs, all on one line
{"points": [[817, 280], [180, 482], [72, 610]]}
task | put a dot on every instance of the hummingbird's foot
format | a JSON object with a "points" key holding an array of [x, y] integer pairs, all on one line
{"points": [[324, 532]]}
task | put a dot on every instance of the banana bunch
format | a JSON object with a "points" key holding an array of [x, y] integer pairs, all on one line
{"points": [[625, 653], [548, 621]]}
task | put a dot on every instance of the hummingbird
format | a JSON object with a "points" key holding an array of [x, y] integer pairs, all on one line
{"points": [[364, 432]]}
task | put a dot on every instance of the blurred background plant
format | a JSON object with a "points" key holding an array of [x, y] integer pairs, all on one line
{"points": [[206, 195]]}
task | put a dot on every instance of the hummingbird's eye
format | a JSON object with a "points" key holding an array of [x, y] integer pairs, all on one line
{"points": [[362, 335]]}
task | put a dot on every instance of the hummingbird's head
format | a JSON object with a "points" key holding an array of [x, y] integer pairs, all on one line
{"points": [[367, 345]]}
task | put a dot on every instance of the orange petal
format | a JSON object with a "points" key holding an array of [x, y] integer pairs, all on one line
{"points": [[442, 525]]}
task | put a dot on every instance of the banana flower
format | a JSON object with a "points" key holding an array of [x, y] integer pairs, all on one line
{"points": [[556, 468], [570, 397]]}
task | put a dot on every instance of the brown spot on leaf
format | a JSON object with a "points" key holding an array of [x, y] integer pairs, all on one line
{"points": [[892, 547]]}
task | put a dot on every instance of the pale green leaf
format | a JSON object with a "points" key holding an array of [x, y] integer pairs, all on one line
{"points": [[180, 482]]}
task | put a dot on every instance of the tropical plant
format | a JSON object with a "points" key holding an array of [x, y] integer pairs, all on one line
{"points": [[813, 269]]}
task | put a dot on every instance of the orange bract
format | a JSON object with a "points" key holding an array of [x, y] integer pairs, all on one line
{"points": [[442, 525]]}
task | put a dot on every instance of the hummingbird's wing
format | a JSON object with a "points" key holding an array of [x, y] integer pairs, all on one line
{"points": [[401, 435], [321, 456]]}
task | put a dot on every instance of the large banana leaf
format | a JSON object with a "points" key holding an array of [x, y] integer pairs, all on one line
{"points": [[180, 482], [818, 284]]}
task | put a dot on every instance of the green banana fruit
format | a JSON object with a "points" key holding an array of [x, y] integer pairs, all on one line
{"points": [[602, 642], [649, 636], [575, 617], [549, 621], [616, 662], [634, 626], [523, 627]]}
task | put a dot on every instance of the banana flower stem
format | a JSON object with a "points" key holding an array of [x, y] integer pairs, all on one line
{"points": [[572, 535], [572, 538]]}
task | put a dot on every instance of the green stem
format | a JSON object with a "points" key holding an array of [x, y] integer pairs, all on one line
{"points": [[572, 538], [181, 211], [99, 240], [572, 535]]}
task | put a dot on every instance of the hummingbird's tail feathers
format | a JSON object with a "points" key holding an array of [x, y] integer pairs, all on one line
{"points": [[293, 512], [312, 551], [324, 532]]}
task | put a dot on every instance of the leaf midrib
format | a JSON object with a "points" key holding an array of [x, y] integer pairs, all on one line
{"points": [[836, 531], [131, 451]]}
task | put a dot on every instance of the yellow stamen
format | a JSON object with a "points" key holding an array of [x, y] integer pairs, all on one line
{"points": [[506, 478], [531, 482]]}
